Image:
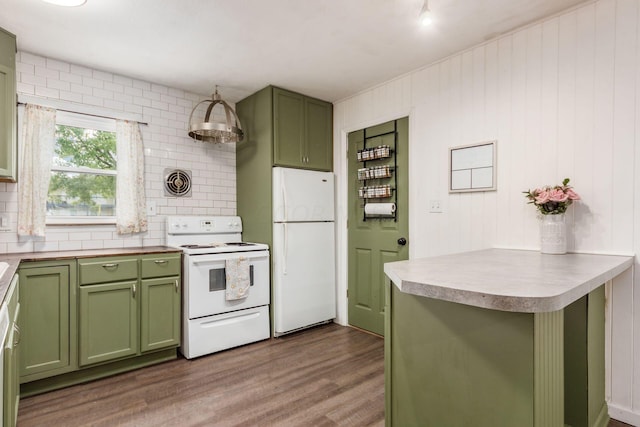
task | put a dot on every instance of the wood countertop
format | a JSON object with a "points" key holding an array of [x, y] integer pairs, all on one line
{"points": [[14, 259], [507, 280]]}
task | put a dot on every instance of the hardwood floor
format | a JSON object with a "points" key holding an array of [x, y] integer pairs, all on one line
{"points": [[326, 376]]}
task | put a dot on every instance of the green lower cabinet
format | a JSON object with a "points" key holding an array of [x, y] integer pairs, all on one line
{"points": [[11, 383], [92, 317], [108, 322], [159, 313], [48, 320], [454, 365]]}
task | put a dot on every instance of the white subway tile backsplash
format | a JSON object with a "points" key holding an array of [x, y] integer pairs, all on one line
{"points": [[102, 75], [28, 58], [58, 84], [32, 79], [53, 64], [82, 90], [47, 72], [166, 146], [102, 93], [71, 96], [92, 83], [92, 100], [71, 78], [45, 92], [80, 70], [25, 88]]}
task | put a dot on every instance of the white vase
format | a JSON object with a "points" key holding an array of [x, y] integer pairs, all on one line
{"points": [[553, 234]]}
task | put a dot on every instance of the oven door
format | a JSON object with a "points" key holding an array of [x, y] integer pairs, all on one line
{"points": [[205, 283]]}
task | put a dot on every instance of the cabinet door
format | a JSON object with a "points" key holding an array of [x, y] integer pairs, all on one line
{"points": [[318, 134], [10, 380], [45, 322], [160, 313], [11, 385], [288, 128], [8, 118], [108, 322]]}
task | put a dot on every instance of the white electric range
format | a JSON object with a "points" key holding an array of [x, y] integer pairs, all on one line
{"points": [[210, 322]]}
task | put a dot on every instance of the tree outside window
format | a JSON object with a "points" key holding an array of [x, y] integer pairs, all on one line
{"points": [[83, 174]]}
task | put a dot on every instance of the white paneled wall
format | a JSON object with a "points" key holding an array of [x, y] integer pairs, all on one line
{"points": [[562, 98], [166, 146]]}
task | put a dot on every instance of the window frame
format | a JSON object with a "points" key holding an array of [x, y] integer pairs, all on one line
{"points": [[85, 121]]}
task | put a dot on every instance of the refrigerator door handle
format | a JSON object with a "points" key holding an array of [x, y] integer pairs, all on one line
{"points": [[284, 200], [284, 255]]}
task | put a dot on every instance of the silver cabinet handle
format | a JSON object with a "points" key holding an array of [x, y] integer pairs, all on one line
{"points": [[134, 290], [161, 261], [17, 338], [177, 286], [110, 265]]}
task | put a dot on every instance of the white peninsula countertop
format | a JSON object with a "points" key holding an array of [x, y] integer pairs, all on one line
{"points": [[507, 280]]}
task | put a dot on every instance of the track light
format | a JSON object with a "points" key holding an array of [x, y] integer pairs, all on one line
{"points": [[425, 16]]}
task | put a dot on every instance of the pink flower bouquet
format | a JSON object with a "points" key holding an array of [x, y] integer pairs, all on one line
{"points": [[553, 200]]}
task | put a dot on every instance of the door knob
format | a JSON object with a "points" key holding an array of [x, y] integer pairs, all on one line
{"points": [[402, 241]]}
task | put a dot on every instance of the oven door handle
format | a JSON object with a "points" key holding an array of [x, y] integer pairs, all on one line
{"points": [[207, 261], [222, 260]]}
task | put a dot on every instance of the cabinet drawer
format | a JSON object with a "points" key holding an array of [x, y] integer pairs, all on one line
{"points": [[107, 269], [160, 266]]}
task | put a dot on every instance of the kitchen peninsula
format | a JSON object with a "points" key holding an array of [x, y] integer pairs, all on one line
{"points": [[497, 338]]}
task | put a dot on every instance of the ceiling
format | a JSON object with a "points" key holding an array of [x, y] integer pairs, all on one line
{"points": [[329, 49]]}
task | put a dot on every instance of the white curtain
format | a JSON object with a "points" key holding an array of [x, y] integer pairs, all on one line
{"points": [[38, 141], [131, 207]]}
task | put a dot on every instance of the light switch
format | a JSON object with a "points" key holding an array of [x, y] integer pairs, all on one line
{"points": [[151, 208]]}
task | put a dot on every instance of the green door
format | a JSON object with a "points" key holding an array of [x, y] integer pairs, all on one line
{"points": [[108, 322], [374, 241], [160, 313], [46, 321]]}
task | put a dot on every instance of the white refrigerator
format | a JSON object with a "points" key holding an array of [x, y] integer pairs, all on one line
{"points": [[303, 252]]}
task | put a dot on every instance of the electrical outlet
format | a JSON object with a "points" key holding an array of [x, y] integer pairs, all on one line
{"points": [[4, 223], [435, 206]]}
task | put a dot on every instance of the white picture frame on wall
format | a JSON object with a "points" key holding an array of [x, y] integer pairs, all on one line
{"points": [[473, 167]]}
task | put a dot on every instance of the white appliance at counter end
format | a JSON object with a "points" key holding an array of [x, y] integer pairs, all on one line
{"points": [[304, 283], [210, 321]]}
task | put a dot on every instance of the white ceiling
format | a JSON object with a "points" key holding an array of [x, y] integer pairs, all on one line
{"points": [[329, 49]]}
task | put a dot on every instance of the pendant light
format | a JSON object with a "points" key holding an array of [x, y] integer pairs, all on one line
{"points": [[210, 130], [66, 3], [425, 16]]}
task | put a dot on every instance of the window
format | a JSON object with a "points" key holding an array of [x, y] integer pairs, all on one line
{"points": [[83, 172]]}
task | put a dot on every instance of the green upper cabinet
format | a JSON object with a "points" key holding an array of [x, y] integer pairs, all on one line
{"points": [[8, 112], [288, 128], [302, 131], [48, 319], [318, 134]]}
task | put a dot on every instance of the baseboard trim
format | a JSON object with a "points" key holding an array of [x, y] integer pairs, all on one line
{"points": [[624, 414]]}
